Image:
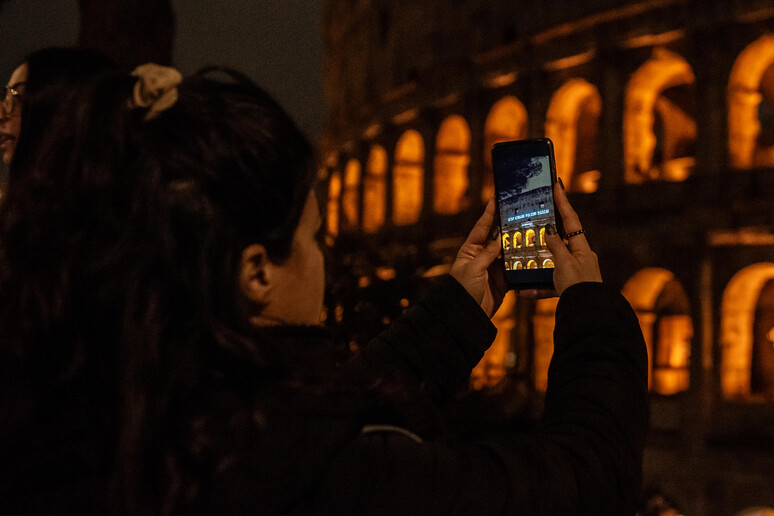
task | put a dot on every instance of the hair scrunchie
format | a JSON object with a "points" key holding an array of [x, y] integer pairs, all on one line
{"points": [[156, 88]]}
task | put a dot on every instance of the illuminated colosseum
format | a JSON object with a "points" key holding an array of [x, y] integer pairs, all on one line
{"points": [[662, 114]]}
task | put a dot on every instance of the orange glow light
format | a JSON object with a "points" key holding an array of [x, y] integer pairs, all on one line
{"points": [[506, 121], [736, 328], [451, 166], [744, 99], [334, 195], [349, 198], [408, 178], [662, 71], [562, 124], [375, 190]]}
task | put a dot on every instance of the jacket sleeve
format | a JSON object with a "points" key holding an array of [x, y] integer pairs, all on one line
{"points": [[435, 343], [584, 459]]}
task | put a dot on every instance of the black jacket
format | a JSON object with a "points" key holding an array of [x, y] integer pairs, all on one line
{"points": [[332, 452], [294, 432]]}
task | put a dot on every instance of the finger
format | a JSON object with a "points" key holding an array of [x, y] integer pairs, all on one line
{"points": [[480, 232], [569, 217], [570, 220], [559, 249]]}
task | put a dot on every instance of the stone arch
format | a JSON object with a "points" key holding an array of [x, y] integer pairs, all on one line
{"points": [[451, 166], [660, 93], [751, 83], [738, 308], [334, 198], [530, 236], [375, 190], [507, 120], [662, 308], [408, 178], [572, 123], [350, 195]]}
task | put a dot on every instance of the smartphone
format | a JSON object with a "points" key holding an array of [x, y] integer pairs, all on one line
{"points": [[524, 177]]}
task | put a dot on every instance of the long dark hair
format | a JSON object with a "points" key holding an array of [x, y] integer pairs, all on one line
{"points": [[120, 248], [51, 73]]}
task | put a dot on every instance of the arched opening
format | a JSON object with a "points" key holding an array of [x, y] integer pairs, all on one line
{"points": [[375, 190], [530, 238], [507, 121], [334, 196], [451, 166], [548, 264], [543, 330], [408, 178], [532, 264], [572, 123], [494, 365], [663, 310], [747, 318], [542, 237], [506, 242], [519, 266], [517, 240], [350, 208], [751, 106], [659, 120]]}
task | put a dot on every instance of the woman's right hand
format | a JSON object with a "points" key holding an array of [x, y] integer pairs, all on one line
{"points": [[574, 259]]}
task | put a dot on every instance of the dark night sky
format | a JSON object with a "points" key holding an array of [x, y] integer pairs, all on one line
{"points": [[276, 42]]}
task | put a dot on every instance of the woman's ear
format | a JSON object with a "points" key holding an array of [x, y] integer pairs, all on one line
{"points": [[255, 275]]}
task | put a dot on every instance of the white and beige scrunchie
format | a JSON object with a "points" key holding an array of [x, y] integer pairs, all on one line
{"points": [[156, 88]]}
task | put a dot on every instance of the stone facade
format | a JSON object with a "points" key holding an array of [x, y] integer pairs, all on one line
{"points": [[668, 153]]}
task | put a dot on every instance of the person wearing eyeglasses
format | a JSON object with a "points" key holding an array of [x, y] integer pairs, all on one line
{"points": [[10, 112], [38, 85]]}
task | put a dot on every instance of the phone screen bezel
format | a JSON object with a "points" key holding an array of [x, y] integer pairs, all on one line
{"points": [[524, 279]]}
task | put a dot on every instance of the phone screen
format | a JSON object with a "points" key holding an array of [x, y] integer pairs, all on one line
{"points": [[524, 176]]}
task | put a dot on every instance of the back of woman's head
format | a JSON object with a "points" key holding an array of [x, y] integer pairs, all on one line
{"points": [[122, 237]]}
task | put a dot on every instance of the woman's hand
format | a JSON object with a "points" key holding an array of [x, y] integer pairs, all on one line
{"points": [[477, 268], [574, 259]]}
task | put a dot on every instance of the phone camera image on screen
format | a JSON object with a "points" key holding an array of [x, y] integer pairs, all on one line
{"points": [[524, 184]]}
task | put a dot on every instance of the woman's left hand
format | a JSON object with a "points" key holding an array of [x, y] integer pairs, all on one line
{"points": [[477, 267]]}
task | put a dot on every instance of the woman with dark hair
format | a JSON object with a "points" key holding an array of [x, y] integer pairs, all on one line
{"points": [[38, 85], [162, 285]]}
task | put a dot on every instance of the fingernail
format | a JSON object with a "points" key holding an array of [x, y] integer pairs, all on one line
{"points": [[551, 229], [561, 183], [494, 232]]}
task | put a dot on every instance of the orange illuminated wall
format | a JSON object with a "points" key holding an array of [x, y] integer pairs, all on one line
{"points": [[334, 196], [451, 166], [572, 123], [493, 366], [659, 120], [350, 195], [737, 329], [408, 178], [375, 190], [750, 88], [507, 121], [662, 308]]}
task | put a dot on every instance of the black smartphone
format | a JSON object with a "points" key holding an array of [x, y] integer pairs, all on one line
{"points": [[524, 177]]}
